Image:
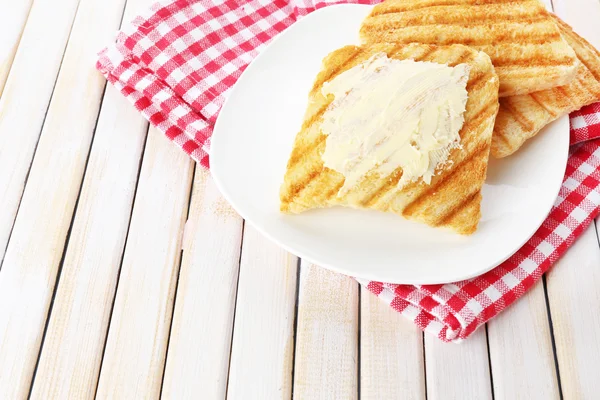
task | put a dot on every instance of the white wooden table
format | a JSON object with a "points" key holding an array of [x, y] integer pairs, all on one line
{"points": [[125, 274]]}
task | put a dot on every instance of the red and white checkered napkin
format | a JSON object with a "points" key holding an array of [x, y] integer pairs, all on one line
{"points": [[177, 63]]}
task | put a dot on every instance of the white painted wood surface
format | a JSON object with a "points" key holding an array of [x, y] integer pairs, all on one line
{"points": [[212, 327], [263, 332], [25, 100], [31, 262], [12, 22], [72, 353], [391, 348], [521, 350], [326, 363], [200, 342], [458, 371], [575, 308], [136, 347]]}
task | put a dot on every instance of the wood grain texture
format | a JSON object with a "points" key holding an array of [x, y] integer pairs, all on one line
{"points": [[12, 22], [134, 358], [72, 352], [575, 307], [326, 364], [28, 274], [391, 353], [263, 332], [521, 352], [26, 97], [458, 371], [200, 341]]}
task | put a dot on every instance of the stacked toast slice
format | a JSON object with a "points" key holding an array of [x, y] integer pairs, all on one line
{"points": [[520, 36], [522, 117]]}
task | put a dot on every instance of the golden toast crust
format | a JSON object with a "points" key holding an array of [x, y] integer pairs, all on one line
{"points": [[522, 117], [520, 36], [452, 199]]}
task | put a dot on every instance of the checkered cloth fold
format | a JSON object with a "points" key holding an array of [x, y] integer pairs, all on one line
{"points": [[177, 62]]}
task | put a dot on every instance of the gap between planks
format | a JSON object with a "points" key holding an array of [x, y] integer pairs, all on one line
{"points": [[205, 298], [15, 165], [55, 176], [13, 20]]}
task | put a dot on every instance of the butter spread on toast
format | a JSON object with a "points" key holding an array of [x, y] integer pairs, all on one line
{"points": [[390, 113]]}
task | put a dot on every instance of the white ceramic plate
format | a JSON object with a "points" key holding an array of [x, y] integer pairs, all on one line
{"points": [[253, 138]]}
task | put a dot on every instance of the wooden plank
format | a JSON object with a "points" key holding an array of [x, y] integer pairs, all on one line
{"points": [[575, 306], [458, 371], [391, 353], [200, 341], [26, 97], [28, 274], [327, 335], [263, 333], [520, 339], [134, 358], [12, 20], [71, 356], [521, 350], [72, 352]]}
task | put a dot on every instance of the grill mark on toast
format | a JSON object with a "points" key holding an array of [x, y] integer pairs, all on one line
{"points": [[465, 58], [477, 83], [334, 190], [395, 50], [585, 86], [333, 73], [478, 76], [519, 38], [476, 120], [409, 21], [297, 155], [427, 53], [430, 49], [298, 152], [572, 36], [443, 220], [518, 116], [412, 205], [496, 138], [565, 96], [308, 124], [542, 105], [595, 73], [379, 193], [398, 8], [533, 61], [299, 186]]}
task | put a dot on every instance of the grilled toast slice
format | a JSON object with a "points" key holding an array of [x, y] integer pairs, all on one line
{"points": [[520, 36], [522, 117], [453, 197]]}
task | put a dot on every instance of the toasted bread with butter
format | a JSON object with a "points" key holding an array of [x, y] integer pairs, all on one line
{"points": [[520, 36], [453, 197], [522, 117]]}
